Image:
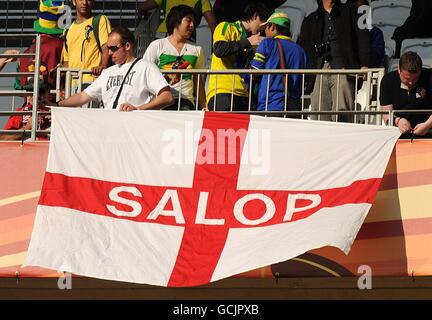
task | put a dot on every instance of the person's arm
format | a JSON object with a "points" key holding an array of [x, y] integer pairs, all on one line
{"points": [[422, 128], [403, 124], [104, 62], [385, 98], [163, 99], [104, 30], [17, 136], [5, 61], [147, 6], [258, 62], [211, 20], [386, 116], [225, 48], [64, 61], [202, 94], [76, 100]]}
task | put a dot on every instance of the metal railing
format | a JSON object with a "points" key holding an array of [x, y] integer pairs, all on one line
{"points": [[373, 79], [24, 93], [370, 113]]}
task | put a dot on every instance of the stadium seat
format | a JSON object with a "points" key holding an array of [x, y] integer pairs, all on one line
{"points": [[427, 63], [387, 26], [390, 9], [299, 4], [310, 6], [296, 15], [390, 47], [393, 65], [423, 47]]}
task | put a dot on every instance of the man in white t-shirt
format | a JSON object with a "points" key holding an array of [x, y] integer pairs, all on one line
{"points": [[176, 52], [140, 83]]}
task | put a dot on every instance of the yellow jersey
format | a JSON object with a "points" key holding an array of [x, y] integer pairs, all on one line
{"points": [[82, 50], [226, 31]]}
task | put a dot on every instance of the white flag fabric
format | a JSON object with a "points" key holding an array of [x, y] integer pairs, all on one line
{"points": [[187, 198]]}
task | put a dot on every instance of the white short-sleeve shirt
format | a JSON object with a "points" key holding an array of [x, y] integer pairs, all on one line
{"points": [[143, 82], [162, 53]]}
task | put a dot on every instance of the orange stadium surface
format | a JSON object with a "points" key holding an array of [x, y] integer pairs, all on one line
{"points": [[393, 241]]}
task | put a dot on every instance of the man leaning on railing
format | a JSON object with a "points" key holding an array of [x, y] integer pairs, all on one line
{"points": [[409, 88], [131, 84]]}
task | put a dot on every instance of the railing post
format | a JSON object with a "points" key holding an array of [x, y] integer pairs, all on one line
{"points": [[36, 89], [302, 95], [368, 95], [391, 114], [68, 84], [198, 77], [380, 76], [58, 79], [355, 97], [337, 96]]}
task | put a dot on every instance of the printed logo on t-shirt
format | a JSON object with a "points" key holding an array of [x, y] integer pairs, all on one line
{"points": [[420, 92], [180, 63], [116, 81]]}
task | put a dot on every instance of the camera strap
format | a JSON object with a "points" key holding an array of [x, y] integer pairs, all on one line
{"points": [[282, 62], [121, 86]]}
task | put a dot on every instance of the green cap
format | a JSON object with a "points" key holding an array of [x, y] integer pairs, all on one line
{"points": [[279, 18]]}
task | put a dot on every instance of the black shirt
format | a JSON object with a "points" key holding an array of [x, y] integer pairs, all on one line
{"points": [[418, 98], [334, 55]]}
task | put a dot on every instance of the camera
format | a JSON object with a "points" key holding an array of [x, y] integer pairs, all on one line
{"points": [[322, 48]]}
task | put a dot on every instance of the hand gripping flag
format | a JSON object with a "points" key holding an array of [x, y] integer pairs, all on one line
{"points": [[187, 198]]}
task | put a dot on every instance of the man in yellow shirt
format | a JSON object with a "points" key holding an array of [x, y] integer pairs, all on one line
{"points": [[201, 8], [81, 49], [232, 48]]}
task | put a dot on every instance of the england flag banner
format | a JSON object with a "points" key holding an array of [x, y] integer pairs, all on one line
{"points": [[187, 198]]}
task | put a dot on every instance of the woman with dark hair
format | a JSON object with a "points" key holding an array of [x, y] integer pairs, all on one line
{"points": [[176, 52], [202, 8]]}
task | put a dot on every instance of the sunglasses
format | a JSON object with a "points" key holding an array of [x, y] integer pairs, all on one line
{"points": [[115, 48]]}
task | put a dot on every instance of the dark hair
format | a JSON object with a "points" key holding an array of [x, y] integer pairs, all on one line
{"points": [[44, 88], [320, 2], [411, 62], [281, 30], [176, 15], [256, 8], [125, 34]]}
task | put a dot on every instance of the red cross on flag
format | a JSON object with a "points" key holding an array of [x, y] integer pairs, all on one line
{"points": [[187, 198]]}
